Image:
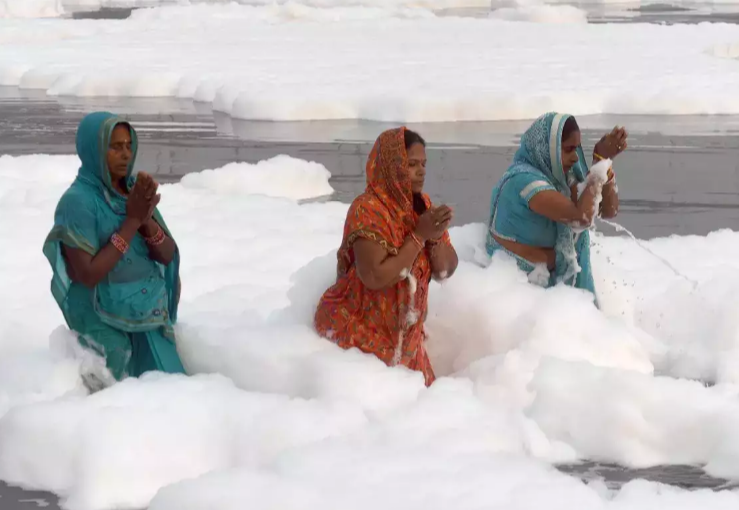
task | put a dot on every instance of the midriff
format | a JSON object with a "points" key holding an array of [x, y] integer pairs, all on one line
{"points": [[534, 254]]}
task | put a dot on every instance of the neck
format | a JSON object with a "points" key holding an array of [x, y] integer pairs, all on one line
{"points": [[120, 185]]}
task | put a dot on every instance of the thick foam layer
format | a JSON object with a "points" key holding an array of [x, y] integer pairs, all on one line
{"points": [[277, 415], [30, 8], [295, 62]]}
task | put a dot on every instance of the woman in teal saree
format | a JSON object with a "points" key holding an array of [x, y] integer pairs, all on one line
{"points": [[115, 264], [541, 208]]}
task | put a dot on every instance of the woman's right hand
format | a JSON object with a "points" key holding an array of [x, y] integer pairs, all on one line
{"points": [[141, 198], [433, 223]]}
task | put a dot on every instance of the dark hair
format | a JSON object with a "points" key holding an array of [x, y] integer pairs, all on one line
{"points": [[411, 138], [569, 127]]}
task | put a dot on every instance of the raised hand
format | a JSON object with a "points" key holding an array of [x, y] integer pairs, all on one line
{"points": [[434, 222], [612, 144]]}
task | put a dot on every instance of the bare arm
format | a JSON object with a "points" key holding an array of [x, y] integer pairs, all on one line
{"points": [[164, 252], [377, 269], [561, 209], [610, 146], [609, 204], [90, 270]]}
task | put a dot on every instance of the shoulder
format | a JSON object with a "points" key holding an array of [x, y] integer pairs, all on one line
{"points": [[366, 204], [77, 200], [524, 185]]}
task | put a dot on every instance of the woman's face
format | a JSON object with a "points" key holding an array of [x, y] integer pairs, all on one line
{"points": [[417, 166], [119, 152], [569, 150]]}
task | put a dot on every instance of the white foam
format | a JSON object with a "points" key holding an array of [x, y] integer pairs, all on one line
{"points": [[539, 12], [281, 176], [281, 418], [31, 8], [297, 62]]}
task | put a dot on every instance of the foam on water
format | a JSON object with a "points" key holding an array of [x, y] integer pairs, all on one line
{"points": [[278, 417], [30, 8], [300, 62]]}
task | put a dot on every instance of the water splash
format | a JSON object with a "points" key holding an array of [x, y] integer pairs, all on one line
{"points": [[621, 228]]}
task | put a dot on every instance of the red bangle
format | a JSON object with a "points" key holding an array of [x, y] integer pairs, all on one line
{"points": [[120, 244], [156, 239]]}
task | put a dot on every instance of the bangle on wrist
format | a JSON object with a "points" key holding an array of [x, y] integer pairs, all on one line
{"points": [[120, 244], [156, 239]]}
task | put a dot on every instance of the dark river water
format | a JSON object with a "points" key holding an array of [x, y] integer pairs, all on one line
{"points": [[679, 176]]}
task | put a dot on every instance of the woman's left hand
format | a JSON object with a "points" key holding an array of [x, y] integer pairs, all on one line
{"points": [[612, 144]]}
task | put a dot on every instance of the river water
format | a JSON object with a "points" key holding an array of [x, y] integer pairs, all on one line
{"points": [[679, 176]]}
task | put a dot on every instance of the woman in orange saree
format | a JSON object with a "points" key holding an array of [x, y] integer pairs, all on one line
{"points": [[394, 242]]}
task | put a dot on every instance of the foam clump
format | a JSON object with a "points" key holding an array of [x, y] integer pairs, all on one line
{"points": [[539, 12], [31, 8], [281, 176]]}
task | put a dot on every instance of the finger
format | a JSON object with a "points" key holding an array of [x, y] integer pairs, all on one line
{"points": [[447, 216], [142, 183], [444, 227], [443, 210], [151, 188], [438, 216], [157, 199]]}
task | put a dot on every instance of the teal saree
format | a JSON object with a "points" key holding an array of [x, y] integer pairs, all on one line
{"points": [[129, 317]]}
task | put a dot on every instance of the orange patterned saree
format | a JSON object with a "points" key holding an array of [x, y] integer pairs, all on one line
{"points": [[388, 322]]}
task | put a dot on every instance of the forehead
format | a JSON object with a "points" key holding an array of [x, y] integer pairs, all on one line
{"points": [[573, 139], [121, 131], [417, 151]]}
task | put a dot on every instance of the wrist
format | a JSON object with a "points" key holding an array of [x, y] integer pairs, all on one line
{"points": [[148, 228], [611, 176], [418, 240], [129, 227]]}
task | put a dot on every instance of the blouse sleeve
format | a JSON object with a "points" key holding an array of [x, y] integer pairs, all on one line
{"points": [[75, 221]]}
